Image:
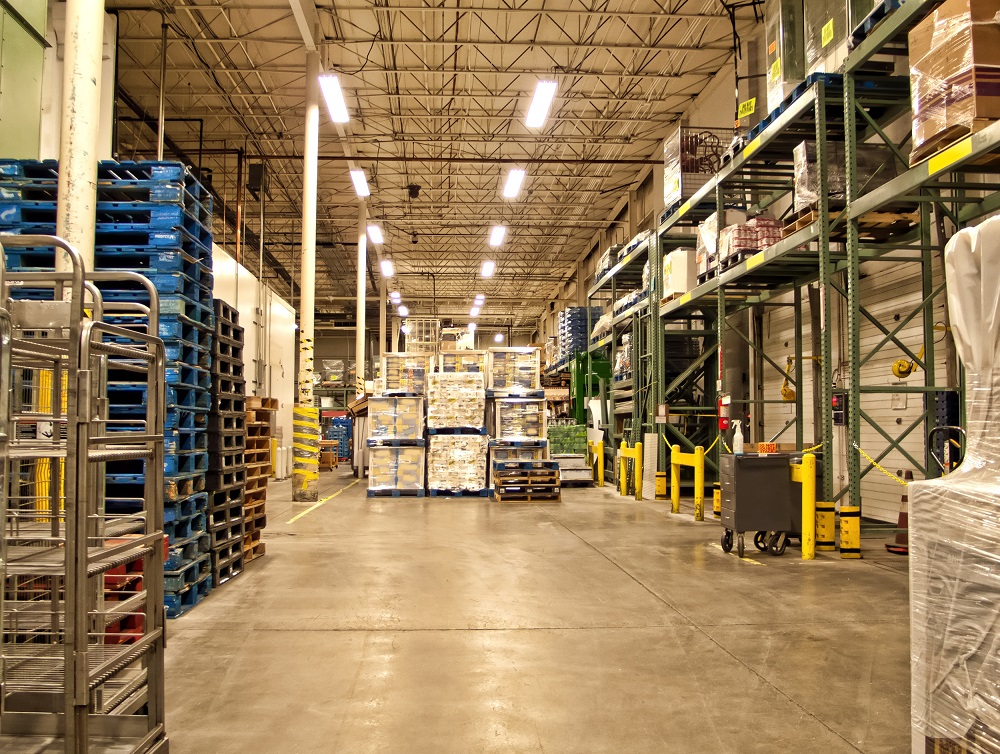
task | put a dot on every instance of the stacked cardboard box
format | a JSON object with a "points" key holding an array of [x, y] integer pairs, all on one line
{"points": [[396, 445]]}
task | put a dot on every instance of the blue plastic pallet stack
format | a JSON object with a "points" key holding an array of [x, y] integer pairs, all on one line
{"points": [[573, 330], [154, 218], [340, 430]]}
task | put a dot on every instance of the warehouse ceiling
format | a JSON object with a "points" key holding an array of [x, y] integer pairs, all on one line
{"points": [[437, 98]]}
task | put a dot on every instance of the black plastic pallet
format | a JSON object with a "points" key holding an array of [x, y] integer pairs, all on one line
{"points": [[395, 493], [228, 404], [228, 367], [226, 442], [226, 461], [228, 331], [232, 387], [460, 493], [225, 311], [224, 480], [227, 422]]}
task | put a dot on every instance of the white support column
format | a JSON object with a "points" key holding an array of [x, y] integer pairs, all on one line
{"points": [[382, 314], [359, 387], [305, 424], [81, 119]]}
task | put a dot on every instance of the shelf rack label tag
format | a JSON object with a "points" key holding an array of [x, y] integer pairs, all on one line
{"points": [[747, 108], [752, 147], [755, 260], [827, 32], [950, 156], [684, 299], [684, 208]]}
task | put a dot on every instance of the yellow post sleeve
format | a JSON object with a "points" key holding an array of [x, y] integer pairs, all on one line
{"points": [[850, 531], [699, 483], [808, 506], [622, 467], [675, 479], [638, 471]]}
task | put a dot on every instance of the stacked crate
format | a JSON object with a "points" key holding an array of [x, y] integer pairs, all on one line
{"points": [[457, 445], [515, 406], [396, 446], [153, 218], [340, 429], [257, 456], [573, 331], [226, 446]]}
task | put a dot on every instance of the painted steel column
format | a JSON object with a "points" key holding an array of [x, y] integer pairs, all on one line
{"points": [[825, 271], [359, 333], [382, 315], [853, 307], [161, 119], [305, 421], [81, 118]]}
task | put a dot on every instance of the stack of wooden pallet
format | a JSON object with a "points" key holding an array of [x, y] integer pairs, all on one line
{"points": [[259, 424], [526, 481]]}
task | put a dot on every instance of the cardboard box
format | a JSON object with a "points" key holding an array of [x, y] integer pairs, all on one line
{"points": [[954, 73], [680, 272], [784, 49]]}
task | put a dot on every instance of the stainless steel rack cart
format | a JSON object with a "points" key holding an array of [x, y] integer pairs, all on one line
{"points": [[73, 678]]}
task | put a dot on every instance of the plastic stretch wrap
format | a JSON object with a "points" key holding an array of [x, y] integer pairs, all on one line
{"points": [[573, 330], [954, 72], [622, 368], [456, 399], [955, 527], [457, 462], [690, 157], [520, 418], [405, 372], [708, 230], [785, 59], [768, 231], [396, 468], [825, 23], [736, 239], [630, 299], [680, 273], [603, 326], [464, 361], [331, 372], [637, 240], [567, 439], [875, 165], [514, 369], [396, 418]]}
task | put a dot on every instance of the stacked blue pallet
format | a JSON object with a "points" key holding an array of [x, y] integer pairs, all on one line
{"points": [[153, 218], [573, 330], [340, 430]]}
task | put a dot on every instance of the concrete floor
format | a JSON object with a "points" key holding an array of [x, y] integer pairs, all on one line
{"points": [[596, 625]]}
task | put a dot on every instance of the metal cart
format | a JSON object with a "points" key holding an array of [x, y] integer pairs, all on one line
{"points": [[759, 495]]}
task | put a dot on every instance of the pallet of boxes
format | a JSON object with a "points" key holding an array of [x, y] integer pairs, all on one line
{"points": [[396, 445], [259, 424], [226, 446], [457, 445], [519, 469]]}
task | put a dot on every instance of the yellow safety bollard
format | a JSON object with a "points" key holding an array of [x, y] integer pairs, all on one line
{"points": [[826, 526], [635, 454], [699, 483], [805, 473], [675, 479], [696, 461], [850, 531], [597, 460]]}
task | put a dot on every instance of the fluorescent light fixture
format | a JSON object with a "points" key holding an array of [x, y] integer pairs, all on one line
{"points": [[386, 266], [405, 329], [334, 96], [489, 266], [360, 183], [497, 234], [513, 186], [472, 327], [375, 234], [403, 311], [394, 295], [498, 338], [474, 311], [540, 103], [480, 299]]}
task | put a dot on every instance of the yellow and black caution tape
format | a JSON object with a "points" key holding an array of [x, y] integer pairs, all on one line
{"points": [[879, 466]]}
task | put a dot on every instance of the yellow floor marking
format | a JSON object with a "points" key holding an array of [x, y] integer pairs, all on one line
{"points": [[325, 500], [744, 559]]}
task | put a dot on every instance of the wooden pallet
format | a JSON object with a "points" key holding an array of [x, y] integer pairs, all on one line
{"points": [[875, 226], [536, 497], [257, 403], [944, 139]]}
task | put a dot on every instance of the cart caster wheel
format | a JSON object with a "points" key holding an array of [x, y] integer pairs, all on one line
{"points": [[760, 541], [739, 546], [727, 541], [778, 544]]}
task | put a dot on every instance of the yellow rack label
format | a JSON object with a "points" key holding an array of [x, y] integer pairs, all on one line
{"points": [[755, 260], [684, 208], [746, 108], [684, 299], [950, 156], [752, 147], [827, 32], [775, 73]]}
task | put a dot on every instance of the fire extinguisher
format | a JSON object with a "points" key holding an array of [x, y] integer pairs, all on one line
{"points": [[724, 401]]}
